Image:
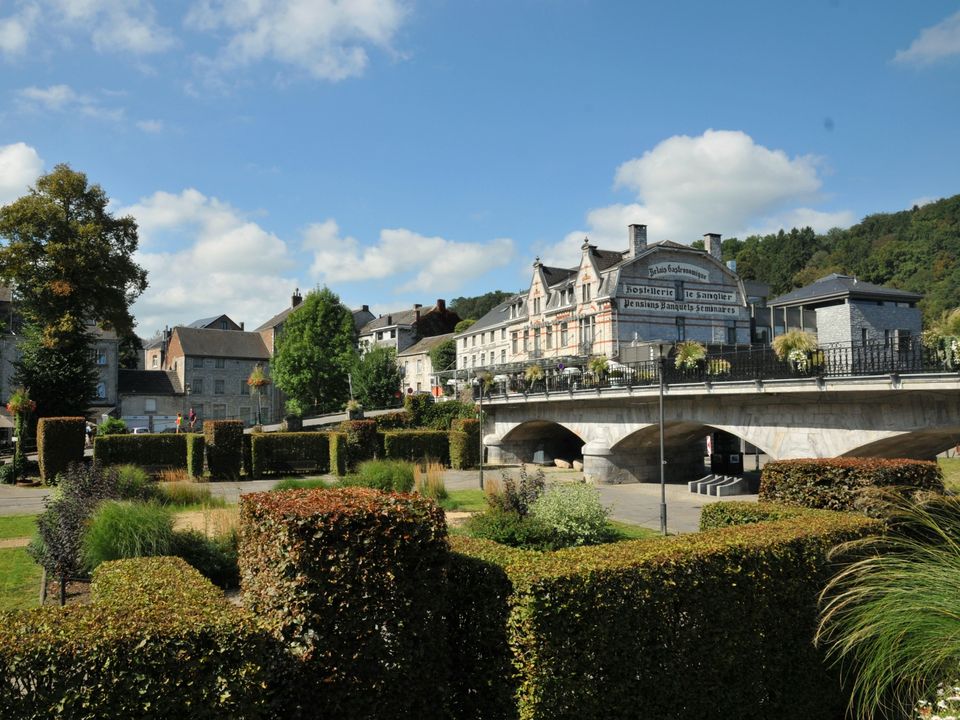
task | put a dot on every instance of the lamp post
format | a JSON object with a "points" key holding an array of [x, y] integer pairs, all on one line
{"points": [[479, 382], [663, 462]]}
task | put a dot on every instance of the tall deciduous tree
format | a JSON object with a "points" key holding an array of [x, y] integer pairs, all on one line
{"points": [[69, 262], [444, 356], [315, 351], [376, 378]]}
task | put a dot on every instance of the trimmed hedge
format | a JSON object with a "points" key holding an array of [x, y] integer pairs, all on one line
{"points": [[849, 484], [60, 441], [351, 580], [273, 452], [464, 443], [161, 450], [196, 445], [734, 513], [159, 641], [710, 625], [414, 445], [398, 420], [339, 455], [247, 440], [363, 441], [224, 446]]}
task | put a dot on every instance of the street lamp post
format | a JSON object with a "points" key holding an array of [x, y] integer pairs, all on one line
{"points": [[663, 462], [480, 385]]}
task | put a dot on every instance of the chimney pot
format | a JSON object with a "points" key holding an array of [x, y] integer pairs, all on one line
{"points": [[637, 238], [242, 323], [441, 304], [711, 241], [417, 306], [296, 299]]}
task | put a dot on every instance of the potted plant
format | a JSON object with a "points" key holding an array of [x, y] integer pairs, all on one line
{"points": [[598, 366], [689, 354], [533, 374], [354, 410], [20, 406], [797, 348], [293, 420]]}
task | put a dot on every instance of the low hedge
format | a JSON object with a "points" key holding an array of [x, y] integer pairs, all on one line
{"points": [[274, 452], [161, 450], [732, 513], [60, 441], [367, 632], [710, 625], [224, 447], [847, 484], [158, 641], [399, 420], [414, 445], [196, 445], [464, 443]]}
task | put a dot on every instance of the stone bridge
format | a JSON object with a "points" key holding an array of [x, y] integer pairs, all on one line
{"points": [[617, 431]]}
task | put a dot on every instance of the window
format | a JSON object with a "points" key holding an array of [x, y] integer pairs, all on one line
{"points": [[586, 330], [149, 405], [219, 412], [503, 333], [563, 335], [156, 361], [549, 337], [526, 340], [393, 333], [406, 368], [473, 341], [99, 356], [223, 324], [863, 336], [220, 363], [503, 357], [197, 386], [483, 359], [473, 361], [585, 289], [379, 334], [101, 391], [419, 366], [536, 340], [218, 387], [732, 335], [536, 306], [514, 343], [886, 338], [903, 340], [681, 329], [198, 362]]}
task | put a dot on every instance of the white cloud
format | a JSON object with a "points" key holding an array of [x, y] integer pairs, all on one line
{"points": [[933, 44], [721, 181], [426, 263], [230, 263], [63, 98], [151, 126], [20, 166], [802, 217], [116, 25], [15, 31], [326, 38]]}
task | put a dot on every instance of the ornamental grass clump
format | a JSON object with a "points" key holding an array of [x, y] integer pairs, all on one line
{"points": [[428, 480], [689, 354], [122, 529], [386, 475], [889, 618]]}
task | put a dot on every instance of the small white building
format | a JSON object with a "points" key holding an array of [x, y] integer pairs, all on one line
{"points": [[416, 367]]}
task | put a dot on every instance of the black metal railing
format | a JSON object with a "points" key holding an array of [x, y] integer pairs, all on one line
{"points": [[757, 363]]}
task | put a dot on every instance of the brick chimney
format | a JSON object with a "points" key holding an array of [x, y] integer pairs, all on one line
{"points": [[389, 320], [441, 305], [637, 239], [297, 298], [242, 323], [711, 241], [366, 308]]}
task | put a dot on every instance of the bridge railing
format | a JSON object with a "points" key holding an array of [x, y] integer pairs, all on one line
{"points": [[760, 363]]}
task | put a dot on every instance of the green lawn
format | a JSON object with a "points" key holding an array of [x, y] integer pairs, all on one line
{"points": [[951, 473], [19, 580], [12, 526], [465, 501], [626, 531]]}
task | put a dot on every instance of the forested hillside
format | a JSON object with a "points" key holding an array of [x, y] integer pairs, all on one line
{"points": [[917, 250]]}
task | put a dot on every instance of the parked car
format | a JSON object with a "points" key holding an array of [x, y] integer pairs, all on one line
{"points": [[140, 431]]}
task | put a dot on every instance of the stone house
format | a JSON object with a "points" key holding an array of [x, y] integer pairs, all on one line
{"points": [[842, 309], [416, 367], [151, 399], [402, 328], [612, 302]]}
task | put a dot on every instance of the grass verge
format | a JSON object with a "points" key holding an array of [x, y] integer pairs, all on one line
{"points": [[951, 473], [19, 580], [464, 501], [12, 526], [626, 531]]}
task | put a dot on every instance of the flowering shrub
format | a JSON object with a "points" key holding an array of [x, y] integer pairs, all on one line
{"points": [[799, 359], [945, 706], [516, 496], [689, 354], [574, 513]]}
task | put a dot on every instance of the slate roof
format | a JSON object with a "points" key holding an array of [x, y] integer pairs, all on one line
{"points": [[204, 342], [838, 287], [399, 317], [554, 275], [498, 314], [148, 382], [206, 322], [426, 344], [276, 319]]}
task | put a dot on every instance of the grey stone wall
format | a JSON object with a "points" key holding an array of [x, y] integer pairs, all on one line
{"points": [[833, 324], [236, 401], [845, 323]]}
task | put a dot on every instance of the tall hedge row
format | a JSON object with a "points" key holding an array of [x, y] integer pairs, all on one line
{"points": [[60, 441], [713, 625], [224, 446], [156, 450], [415, 445], [275, 452], [196, 446], [363, 442], [848, 484], [369, 633], [464, 443], [158, 641]]}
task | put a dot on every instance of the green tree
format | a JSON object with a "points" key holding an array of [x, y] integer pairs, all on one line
{"points": [[478, 306], [69, 262], [376, 378], [315, 351], [444, 356], [464, 325]]}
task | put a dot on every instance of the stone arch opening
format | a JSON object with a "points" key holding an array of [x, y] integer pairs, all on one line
{"points": [[542, 442], [923, 444]]}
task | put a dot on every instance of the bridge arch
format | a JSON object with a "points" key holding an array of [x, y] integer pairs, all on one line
{"points": [[925, 443], [539, 440]]}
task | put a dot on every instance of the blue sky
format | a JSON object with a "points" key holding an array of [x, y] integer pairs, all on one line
{"points": [[400, 151]]}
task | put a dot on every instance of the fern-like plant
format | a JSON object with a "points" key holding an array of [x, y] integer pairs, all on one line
{"points": [[792, 344], [689, 354], [533, 373], [598, 365]]}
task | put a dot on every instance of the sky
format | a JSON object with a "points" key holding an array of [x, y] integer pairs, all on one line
{"points": [[400, 151]]}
